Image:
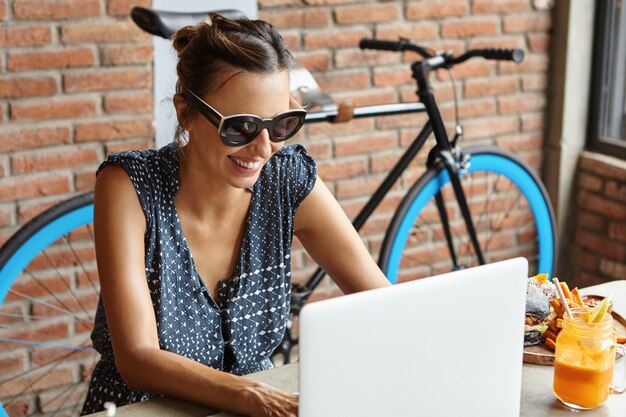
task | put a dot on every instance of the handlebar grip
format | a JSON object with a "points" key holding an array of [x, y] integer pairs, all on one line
{"points": [[515, 55], [380, 45]]}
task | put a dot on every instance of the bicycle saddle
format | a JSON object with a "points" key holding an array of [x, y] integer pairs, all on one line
{"points": [[163, 23]]}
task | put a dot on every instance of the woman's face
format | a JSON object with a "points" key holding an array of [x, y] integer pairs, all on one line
{"points": [[263, 95]]}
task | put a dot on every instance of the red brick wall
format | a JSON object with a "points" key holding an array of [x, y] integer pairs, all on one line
{"points": [[599, 249], [500, 103], [75, 84]]}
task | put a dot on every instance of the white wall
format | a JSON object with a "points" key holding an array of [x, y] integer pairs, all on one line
{"points": [[165, 60]]}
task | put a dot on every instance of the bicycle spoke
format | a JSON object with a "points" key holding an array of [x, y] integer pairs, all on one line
{"points": [[51, 306], [68, 241]]}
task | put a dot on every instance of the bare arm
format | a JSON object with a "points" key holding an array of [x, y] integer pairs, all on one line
{"points": [[329, 237], [119, 228]]}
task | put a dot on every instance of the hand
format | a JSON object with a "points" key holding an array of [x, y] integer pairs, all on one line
{"points": [[267, 401]]}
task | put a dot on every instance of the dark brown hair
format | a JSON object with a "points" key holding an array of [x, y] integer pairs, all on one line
{"points": [[219, 45]]}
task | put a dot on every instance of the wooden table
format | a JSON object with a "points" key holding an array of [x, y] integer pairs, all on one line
{"points": [[537, 398]]}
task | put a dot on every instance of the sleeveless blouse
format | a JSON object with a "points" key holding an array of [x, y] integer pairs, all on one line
{"points": [[237, 331]]}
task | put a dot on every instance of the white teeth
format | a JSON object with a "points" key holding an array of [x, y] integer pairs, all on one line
{"points": [[246, 164]]}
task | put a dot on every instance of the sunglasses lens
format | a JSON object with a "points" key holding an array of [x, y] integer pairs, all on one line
{"points": [[240, 130], [286, 127]]}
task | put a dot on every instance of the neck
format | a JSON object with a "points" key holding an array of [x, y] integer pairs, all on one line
{"points": [[206, 197]]}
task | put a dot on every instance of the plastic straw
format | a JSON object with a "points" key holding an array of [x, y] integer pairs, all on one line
{"points": [[557, 284]]}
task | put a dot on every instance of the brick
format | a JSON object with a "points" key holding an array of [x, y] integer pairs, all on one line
{"points": [[12, 362], [398, 121], [51, 401], [314, 61], [50, 160], [43, 286], [332, 2], [370, 13], [469, 27], [107, 80], [58, 109], [131, 102], [343, 168], [65, 58], [386, 77], [126, 54], [24, 138], [603, 165], [470, 69], [491, 86], [55, 10], [123, 7], [335, 38], [333, 130], [498, 6], [469, 109], [525, 23], [413, 31], [589, 182], [503, 42], [489, 127], [532, 121], [102, 32], [616, 270], [347, 58], [3, 9], [84, 181], [25, 36], [425, 10], [601, 205], [114, 129], [15, 87], [369, 97], [539, 42], [341, 81], [37, 381], [617, 231], [534, 82], [291, 39], [360, 145], [585, 259], [26, 187], [308, 18], [26, 211], [521, 103], [520, 143], [358, 187], [615, 190], [127, 145]]}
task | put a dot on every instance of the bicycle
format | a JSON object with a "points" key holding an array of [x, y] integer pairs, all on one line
{"points": [[436, 213]]}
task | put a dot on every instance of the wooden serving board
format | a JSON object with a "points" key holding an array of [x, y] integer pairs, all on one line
{"points": [[541, 355]]}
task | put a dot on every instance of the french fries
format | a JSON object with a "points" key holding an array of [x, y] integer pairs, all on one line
{"points": [[555, 319]]}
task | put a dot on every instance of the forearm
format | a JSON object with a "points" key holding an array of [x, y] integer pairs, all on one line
{"points": [[158, 371]]}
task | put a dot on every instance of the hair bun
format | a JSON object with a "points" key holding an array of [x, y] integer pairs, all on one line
{"points": [[182, 37]]}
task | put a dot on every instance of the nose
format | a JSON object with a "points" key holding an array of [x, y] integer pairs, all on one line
{"points": [[262, 145]]}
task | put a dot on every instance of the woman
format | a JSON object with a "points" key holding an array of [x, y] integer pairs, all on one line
{"points": [[232, 196]]}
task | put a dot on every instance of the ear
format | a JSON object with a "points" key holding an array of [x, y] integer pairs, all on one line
{"points": [[181, 107]]}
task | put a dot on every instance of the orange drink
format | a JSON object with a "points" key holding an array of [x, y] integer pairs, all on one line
{"points": [[584, 361]]}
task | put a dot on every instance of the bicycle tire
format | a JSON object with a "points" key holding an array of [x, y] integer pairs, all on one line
{"points": [[46, 269], [399, 259]]}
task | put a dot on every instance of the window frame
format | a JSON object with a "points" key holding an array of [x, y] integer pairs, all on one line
{"points": [[599, 83]]}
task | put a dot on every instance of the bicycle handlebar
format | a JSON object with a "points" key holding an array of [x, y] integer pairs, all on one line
{"points": [[515, 55]]}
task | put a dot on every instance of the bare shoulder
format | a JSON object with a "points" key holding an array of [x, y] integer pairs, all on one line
{"points": [[114, 194]]}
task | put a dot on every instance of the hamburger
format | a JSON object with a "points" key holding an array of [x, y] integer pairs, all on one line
{"points": [[537, 311]]}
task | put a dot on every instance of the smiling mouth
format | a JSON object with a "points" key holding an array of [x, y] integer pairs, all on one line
{"points": [[245, 164]]}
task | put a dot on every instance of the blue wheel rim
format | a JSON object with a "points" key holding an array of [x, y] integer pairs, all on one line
{"points": [[38, 242], [490, 163]]}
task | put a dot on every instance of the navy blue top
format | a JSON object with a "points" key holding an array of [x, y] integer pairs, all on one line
{"points": [[239, 330]]}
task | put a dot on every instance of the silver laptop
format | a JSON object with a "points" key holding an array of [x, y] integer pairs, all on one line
{"points": [[449, 345]]}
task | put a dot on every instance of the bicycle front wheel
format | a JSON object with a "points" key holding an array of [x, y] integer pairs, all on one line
{"points": [[49, 292], [510, 210]]}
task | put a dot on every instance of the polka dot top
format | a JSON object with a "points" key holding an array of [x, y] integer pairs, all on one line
{"points": [[238, 330]]}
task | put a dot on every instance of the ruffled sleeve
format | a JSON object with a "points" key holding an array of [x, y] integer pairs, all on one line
{"points": [[299, 172]]}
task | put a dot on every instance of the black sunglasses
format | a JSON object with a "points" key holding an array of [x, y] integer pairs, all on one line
{"points": [[241, 129]]}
